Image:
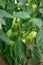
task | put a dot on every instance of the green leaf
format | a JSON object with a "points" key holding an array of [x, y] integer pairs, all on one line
{"points": [[22, 1], [8, 24], [19, 51], [36, 56], [2, 21], [42, 3], [2, 45], [39, 38], [11, 6], [22, 15], [37, 22], [39, 41], [3, 3], [9, 59], [7, 54], [41, 11], [4, 13], [4, 38]]}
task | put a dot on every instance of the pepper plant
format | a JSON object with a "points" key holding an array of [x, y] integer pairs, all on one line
{"points": [[21, 31]]}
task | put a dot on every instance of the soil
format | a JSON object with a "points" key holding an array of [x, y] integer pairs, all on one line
{"points": [[2, 62]]}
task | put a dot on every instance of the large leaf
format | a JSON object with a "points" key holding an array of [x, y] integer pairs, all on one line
{"points": [[37, 22], [22, 15], [39, 41], [4, 38], [2, 21], [3, 3], [3, 13], [19, 51]]}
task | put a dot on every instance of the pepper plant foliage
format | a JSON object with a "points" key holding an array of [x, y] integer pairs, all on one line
{"points": [[21, 31]]}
